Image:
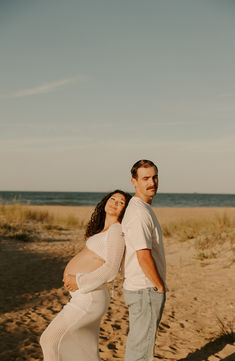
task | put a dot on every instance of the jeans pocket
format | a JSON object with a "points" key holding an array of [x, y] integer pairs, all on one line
{"points": [[134, 302], [135, 307]]}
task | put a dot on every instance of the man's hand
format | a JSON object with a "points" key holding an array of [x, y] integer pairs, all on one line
{"points": [[149, 268], [70, 282], [161, 288]]}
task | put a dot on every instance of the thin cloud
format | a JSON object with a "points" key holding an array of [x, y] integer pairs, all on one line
{"points": [[42, 89], [45, 144], [226, 95]]}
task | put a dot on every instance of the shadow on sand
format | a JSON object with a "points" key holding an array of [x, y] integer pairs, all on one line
{"points": [[24, 273], [212, 348]]}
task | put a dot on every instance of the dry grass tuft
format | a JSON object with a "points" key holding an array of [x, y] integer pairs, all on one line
{"points": [[226, 330], [182, 230], [19, 222], [17, 213], [208, 234], [220, 225]]}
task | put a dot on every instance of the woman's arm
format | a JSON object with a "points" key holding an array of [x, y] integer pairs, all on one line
{"points": [[115, 245]]}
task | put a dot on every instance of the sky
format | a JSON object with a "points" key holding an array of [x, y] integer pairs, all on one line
{"points": [[87, 88]]}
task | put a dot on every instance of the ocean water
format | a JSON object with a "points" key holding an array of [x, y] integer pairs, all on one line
{"points": [[92, 198]]}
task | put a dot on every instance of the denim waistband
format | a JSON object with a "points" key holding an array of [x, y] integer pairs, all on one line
{"points": [[142, 290]]}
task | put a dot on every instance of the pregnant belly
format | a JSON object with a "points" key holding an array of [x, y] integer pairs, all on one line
{"points": [[85, 261]]}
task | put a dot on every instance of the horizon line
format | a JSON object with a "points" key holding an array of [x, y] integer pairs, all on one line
{"points": [[38, 191]]}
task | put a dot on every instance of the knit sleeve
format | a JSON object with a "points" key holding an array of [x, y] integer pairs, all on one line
{"points": [[107, 272]]}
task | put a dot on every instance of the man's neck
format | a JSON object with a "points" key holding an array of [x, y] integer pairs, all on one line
{"points": [[145, 199]]}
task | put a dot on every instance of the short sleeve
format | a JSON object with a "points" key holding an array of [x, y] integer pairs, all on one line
{"points": [[138, 232], [114, 245]]}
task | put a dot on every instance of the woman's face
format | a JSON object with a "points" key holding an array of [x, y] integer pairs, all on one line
{"points": [[115, 204]]}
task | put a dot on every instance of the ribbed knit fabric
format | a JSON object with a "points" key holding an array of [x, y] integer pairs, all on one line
{"points": [[73, 334], [110, 246]]}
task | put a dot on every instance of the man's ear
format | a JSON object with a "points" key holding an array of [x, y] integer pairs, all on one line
{"points": [[133, 181]]}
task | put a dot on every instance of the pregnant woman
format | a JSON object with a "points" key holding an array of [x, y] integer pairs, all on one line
{"points": [[73, 334]]}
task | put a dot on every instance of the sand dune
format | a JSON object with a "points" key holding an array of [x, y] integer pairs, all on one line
{"points": [[201, 295]]}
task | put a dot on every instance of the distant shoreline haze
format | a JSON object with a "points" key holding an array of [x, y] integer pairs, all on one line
{"points": [[92, 198]]}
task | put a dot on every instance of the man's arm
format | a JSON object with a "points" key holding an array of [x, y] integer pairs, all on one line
{"points": [[149, 268]]}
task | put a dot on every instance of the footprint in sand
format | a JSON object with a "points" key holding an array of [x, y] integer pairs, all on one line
{"points": [[118, 327]]}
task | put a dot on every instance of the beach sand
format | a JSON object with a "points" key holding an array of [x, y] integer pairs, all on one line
{"points": [[200, 301]]}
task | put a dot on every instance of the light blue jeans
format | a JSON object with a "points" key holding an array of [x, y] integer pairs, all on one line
{"points": [[145, 312]]}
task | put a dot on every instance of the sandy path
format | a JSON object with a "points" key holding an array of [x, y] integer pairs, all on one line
{"points": [[200, 291]]}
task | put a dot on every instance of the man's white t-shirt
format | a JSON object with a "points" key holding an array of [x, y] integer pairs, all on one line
{"points": [[141, 230]]}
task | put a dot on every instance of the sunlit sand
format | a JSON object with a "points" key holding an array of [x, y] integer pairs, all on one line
{"points": [[200, 302]]}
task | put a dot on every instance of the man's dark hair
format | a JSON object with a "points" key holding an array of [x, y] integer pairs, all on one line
{"points": [[143, 163]]}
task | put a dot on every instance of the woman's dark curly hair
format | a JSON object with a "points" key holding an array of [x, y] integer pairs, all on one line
{"points": [[96, 223]]}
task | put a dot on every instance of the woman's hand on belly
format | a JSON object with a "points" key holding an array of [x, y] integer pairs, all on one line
{"points": [[70, 282]]}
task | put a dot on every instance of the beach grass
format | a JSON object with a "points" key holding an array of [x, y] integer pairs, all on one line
{"points": [[226, 330], [192, 228], [208, 234], [219, 227], [21, 222]]}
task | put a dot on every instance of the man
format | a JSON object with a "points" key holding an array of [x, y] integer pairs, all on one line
{"points": [[145, 268]]}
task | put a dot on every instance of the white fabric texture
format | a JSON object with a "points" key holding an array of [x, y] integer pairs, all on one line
{"points": [[141, 231], [74, 332], [110, 246]]}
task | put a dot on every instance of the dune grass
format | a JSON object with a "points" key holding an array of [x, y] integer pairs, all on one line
{"points": [[20, 222], [23, 222], [226, 330], [187, 229], [208, 234]]}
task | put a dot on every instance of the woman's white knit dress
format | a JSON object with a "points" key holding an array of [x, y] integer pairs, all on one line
{"points": [[73, 334]]}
